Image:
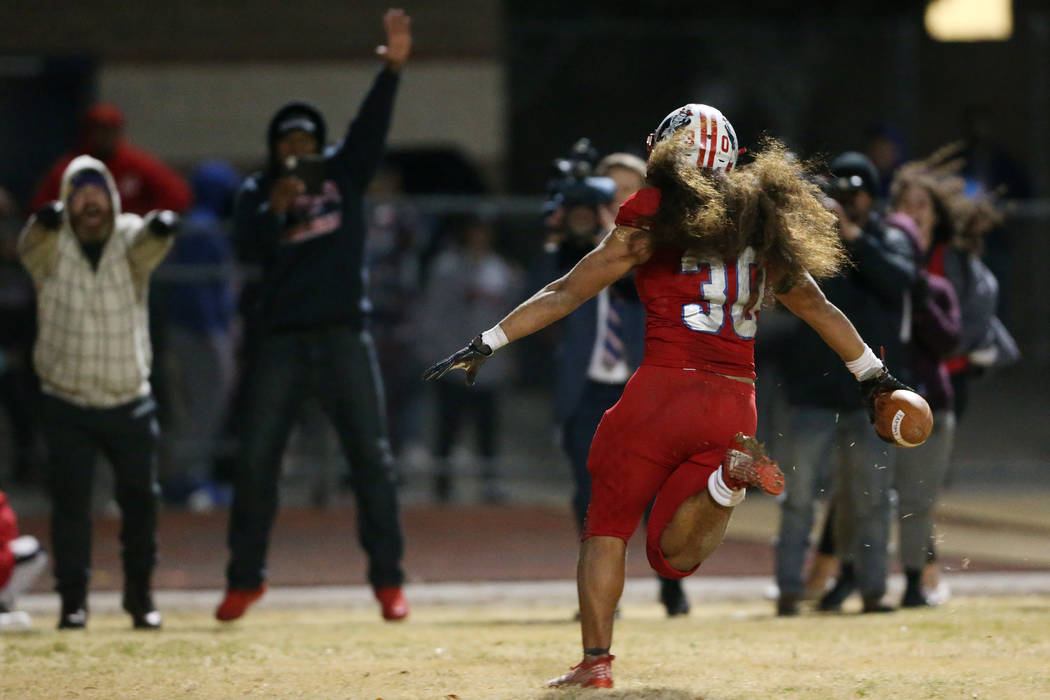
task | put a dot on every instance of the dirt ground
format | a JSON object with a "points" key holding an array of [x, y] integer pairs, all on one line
{"points": [[970, 648]]}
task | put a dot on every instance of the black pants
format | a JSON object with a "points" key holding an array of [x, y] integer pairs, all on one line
{"points": [[18, 394], [455, 402], [337, 365], [127, 436], [577, 433]]}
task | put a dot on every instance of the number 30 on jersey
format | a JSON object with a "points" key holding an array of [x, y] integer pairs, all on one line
{"points": [[718, 300]]}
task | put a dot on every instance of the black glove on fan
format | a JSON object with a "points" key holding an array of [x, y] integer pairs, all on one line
{"points": [[163, 223], [50, 215]]}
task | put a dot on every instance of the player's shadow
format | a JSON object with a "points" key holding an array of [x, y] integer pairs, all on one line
{"points": [[641, 694]]}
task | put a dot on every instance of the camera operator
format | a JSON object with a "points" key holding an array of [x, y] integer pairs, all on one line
{"points": [[579, 208], [825, 417], [603, 341]]}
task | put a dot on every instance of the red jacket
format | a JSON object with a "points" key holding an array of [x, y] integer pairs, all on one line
{"points": [[144, 182], [8, 532]]}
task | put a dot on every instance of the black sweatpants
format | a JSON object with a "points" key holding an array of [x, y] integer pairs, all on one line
{"points": [[455, 403], [337, 364], [74, 436], [577, 433]]}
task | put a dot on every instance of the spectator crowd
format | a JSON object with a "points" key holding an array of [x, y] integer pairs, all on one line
{"points": [[197, 370]]}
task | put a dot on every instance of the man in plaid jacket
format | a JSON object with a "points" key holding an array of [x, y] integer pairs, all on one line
{"points": [[90, 265]]}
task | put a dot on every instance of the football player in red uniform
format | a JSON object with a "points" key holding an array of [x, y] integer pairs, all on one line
{"points": [[707, 242]]}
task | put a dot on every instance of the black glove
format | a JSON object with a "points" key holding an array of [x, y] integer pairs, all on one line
{"points": [[881, 383], [163, 223], [469, 359], [50, 215]]}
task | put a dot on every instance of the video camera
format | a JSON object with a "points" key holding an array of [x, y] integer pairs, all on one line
{"points": [[576, 195], [574, 183]]}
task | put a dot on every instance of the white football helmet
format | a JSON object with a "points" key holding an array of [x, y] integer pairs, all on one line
{"points": [[709, 139]]}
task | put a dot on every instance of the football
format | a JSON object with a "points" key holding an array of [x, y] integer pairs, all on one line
{"points": [[903, 418]]}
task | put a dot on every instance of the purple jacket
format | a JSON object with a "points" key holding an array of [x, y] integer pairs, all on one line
{"points": [[936, 325]]}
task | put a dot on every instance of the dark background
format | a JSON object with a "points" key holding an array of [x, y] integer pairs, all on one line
{"points": [[817, 75]]}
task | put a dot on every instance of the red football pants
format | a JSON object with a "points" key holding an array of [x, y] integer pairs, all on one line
{"points": [[666, 435]]}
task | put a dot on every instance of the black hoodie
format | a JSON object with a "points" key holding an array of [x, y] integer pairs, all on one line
{"points": [[312, 257], [871, 292]]}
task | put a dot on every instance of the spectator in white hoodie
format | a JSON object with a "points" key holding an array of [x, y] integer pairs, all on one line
{"points": [[91, 264]]}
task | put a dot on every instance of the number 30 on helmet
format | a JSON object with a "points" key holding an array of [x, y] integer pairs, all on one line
{"points": [[708, 139]]}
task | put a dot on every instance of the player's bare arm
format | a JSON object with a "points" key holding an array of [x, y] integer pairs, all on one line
{"points": [[807, 301], [622, 249]]}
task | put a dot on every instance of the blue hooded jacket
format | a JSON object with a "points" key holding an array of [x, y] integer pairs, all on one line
{"points": [[201, 298]]}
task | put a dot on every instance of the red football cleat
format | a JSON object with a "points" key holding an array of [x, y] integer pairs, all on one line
{"points": [[596, 673], [395, 607], [237, 601], [746, 464]]}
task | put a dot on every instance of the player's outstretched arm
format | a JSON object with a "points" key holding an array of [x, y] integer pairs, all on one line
{"points": [[614, 257], [807, 301]]}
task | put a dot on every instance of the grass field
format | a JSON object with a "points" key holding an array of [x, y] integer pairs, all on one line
{"points": [[971, 648]]}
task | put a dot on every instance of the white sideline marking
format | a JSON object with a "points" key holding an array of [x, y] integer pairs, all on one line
{"points": [[563, 592]]}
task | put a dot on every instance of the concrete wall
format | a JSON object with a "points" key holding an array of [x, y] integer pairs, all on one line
{"points": [[200, 78], [189, 111]]}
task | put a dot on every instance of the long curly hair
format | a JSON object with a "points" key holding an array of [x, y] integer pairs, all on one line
{"points": [[771, 205], [962, 221]]}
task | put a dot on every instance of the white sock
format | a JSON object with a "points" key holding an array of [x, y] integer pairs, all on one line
{"points": [[723, 495]]}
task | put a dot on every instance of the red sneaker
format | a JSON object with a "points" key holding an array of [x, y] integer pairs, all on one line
{"points": [[596, 673], [395, 607], [237, 601], [746, 464]]}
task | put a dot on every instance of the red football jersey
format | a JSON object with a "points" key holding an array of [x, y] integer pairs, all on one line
{"points": [[701, 314], [8, 532]]}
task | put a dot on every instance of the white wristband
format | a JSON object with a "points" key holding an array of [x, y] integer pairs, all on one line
{"points": [[865, 366], [494, 337]]}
